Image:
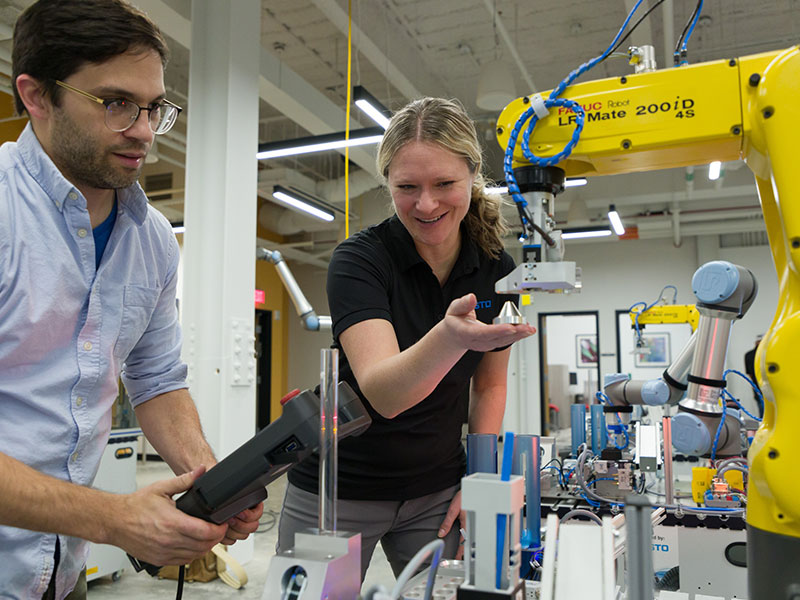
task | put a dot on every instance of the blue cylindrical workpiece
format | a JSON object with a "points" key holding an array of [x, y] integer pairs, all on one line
{"points": [[481, 453], [599, 432], [578, 418], [527, 462]]}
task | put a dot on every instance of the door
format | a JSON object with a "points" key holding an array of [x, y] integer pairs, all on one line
{"points": [[569, 363], [263, 367]]}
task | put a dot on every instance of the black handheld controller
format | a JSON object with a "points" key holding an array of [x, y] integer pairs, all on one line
{"points": [[239, 481]]}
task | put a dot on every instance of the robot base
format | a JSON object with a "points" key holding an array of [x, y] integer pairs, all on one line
{"points": [[319, 566], [771, 565]]}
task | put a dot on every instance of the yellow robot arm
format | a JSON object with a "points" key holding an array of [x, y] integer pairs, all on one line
{"points": [[647, 121], [723, 110], [667, 313]]}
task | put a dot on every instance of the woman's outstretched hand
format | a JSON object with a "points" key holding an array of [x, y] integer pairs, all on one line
{"points": [[466, 331]]}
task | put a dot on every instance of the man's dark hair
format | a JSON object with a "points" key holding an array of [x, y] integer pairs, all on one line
{"points": [[55, 38]]}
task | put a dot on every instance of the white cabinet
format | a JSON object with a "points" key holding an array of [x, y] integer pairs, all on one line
{"points": [[117, 474]]}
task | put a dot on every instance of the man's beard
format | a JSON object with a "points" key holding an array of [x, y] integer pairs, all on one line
{"points": [[83, 161]]}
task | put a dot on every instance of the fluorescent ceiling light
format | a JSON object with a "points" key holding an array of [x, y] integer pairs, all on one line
{"points": [[616, 222], [297, 200], [571, 182], [176, 229], [496, 190], [585, 232], [574, 181], [370, 105], [373, 113], [319, 143], [714, 169]]}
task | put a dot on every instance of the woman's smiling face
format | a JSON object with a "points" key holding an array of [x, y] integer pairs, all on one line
{"points": [[431, 189]]}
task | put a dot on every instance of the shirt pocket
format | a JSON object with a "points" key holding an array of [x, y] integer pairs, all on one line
{"points": [[138, 304]]}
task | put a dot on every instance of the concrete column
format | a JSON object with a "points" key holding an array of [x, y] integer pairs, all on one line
{"points": [[220, 218], [707, 248]]}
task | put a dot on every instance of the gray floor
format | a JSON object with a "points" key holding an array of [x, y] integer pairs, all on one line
{"points": [[139, 585]]}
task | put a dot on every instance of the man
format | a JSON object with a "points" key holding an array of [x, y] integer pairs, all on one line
{"points": [[87, 293]]}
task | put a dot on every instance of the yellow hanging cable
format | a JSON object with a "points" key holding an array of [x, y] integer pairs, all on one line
{"points": [[347, 121]]}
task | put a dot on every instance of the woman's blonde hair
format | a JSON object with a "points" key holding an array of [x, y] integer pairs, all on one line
{"points": [[446, 123]]}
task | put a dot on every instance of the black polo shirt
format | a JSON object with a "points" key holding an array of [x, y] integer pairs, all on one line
{"points": [[378, 274]]}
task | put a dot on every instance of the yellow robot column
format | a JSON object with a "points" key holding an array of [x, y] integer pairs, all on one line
{"points": [[771, 99]]}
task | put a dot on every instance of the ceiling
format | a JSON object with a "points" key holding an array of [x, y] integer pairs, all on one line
{"points": [[409, 48]]}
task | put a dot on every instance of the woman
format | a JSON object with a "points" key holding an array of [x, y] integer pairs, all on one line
{"points": [[412, 301]]}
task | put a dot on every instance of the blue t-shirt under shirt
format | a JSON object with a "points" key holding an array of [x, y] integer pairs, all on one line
{"points": [[102, 232]]}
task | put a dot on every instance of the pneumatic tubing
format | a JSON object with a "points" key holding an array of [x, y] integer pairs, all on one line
{"points": [[551, 102]]}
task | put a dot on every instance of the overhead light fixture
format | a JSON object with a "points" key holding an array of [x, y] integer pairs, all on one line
{"points": [[714, 170], [319, 143], [575, 181], [178, 227], [616, 222], [502, 189], [301, 201], [585, 232], [370, 105], [496, 190]]}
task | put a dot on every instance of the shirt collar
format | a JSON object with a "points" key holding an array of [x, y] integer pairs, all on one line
{"points": [[468, 257], [58, 188], [402, 245], [405, 252]]}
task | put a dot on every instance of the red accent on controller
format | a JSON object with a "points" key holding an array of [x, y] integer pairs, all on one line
{"points": [[289, 396]]}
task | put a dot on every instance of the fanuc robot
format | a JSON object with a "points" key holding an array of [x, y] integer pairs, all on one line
{"points": [[742, 108]]}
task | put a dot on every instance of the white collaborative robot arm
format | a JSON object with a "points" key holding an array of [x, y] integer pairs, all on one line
{"points": [[724, 293], [305, 311]]}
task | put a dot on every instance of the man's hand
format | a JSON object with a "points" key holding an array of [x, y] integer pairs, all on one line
{"points": [[149, 527], [453, 511], [469, 333], [243, 524]]}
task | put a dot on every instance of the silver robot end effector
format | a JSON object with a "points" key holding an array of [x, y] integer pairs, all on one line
{"points": [[543, 267]]}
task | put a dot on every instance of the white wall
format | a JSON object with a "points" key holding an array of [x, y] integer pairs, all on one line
{"points": [[615, 275]]}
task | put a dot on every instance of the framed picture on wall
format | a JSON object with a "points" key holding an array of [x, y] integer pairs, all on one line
{"points": [[655, 351], [586, 351]]}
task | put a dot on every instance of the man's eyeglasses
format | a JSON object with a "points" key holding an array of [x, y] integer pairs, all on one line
{"points": [[121, 113]]}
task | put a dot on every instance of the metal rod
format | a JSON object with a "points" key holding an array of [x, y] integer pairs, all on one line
{"points": [[578, 425], [328, 439], [527, 462], [666, 429], [638, 550]]}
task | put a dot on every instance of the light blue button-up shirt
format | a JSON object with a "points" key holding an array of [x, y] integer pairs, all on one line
{"points": [[68, 331]]}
